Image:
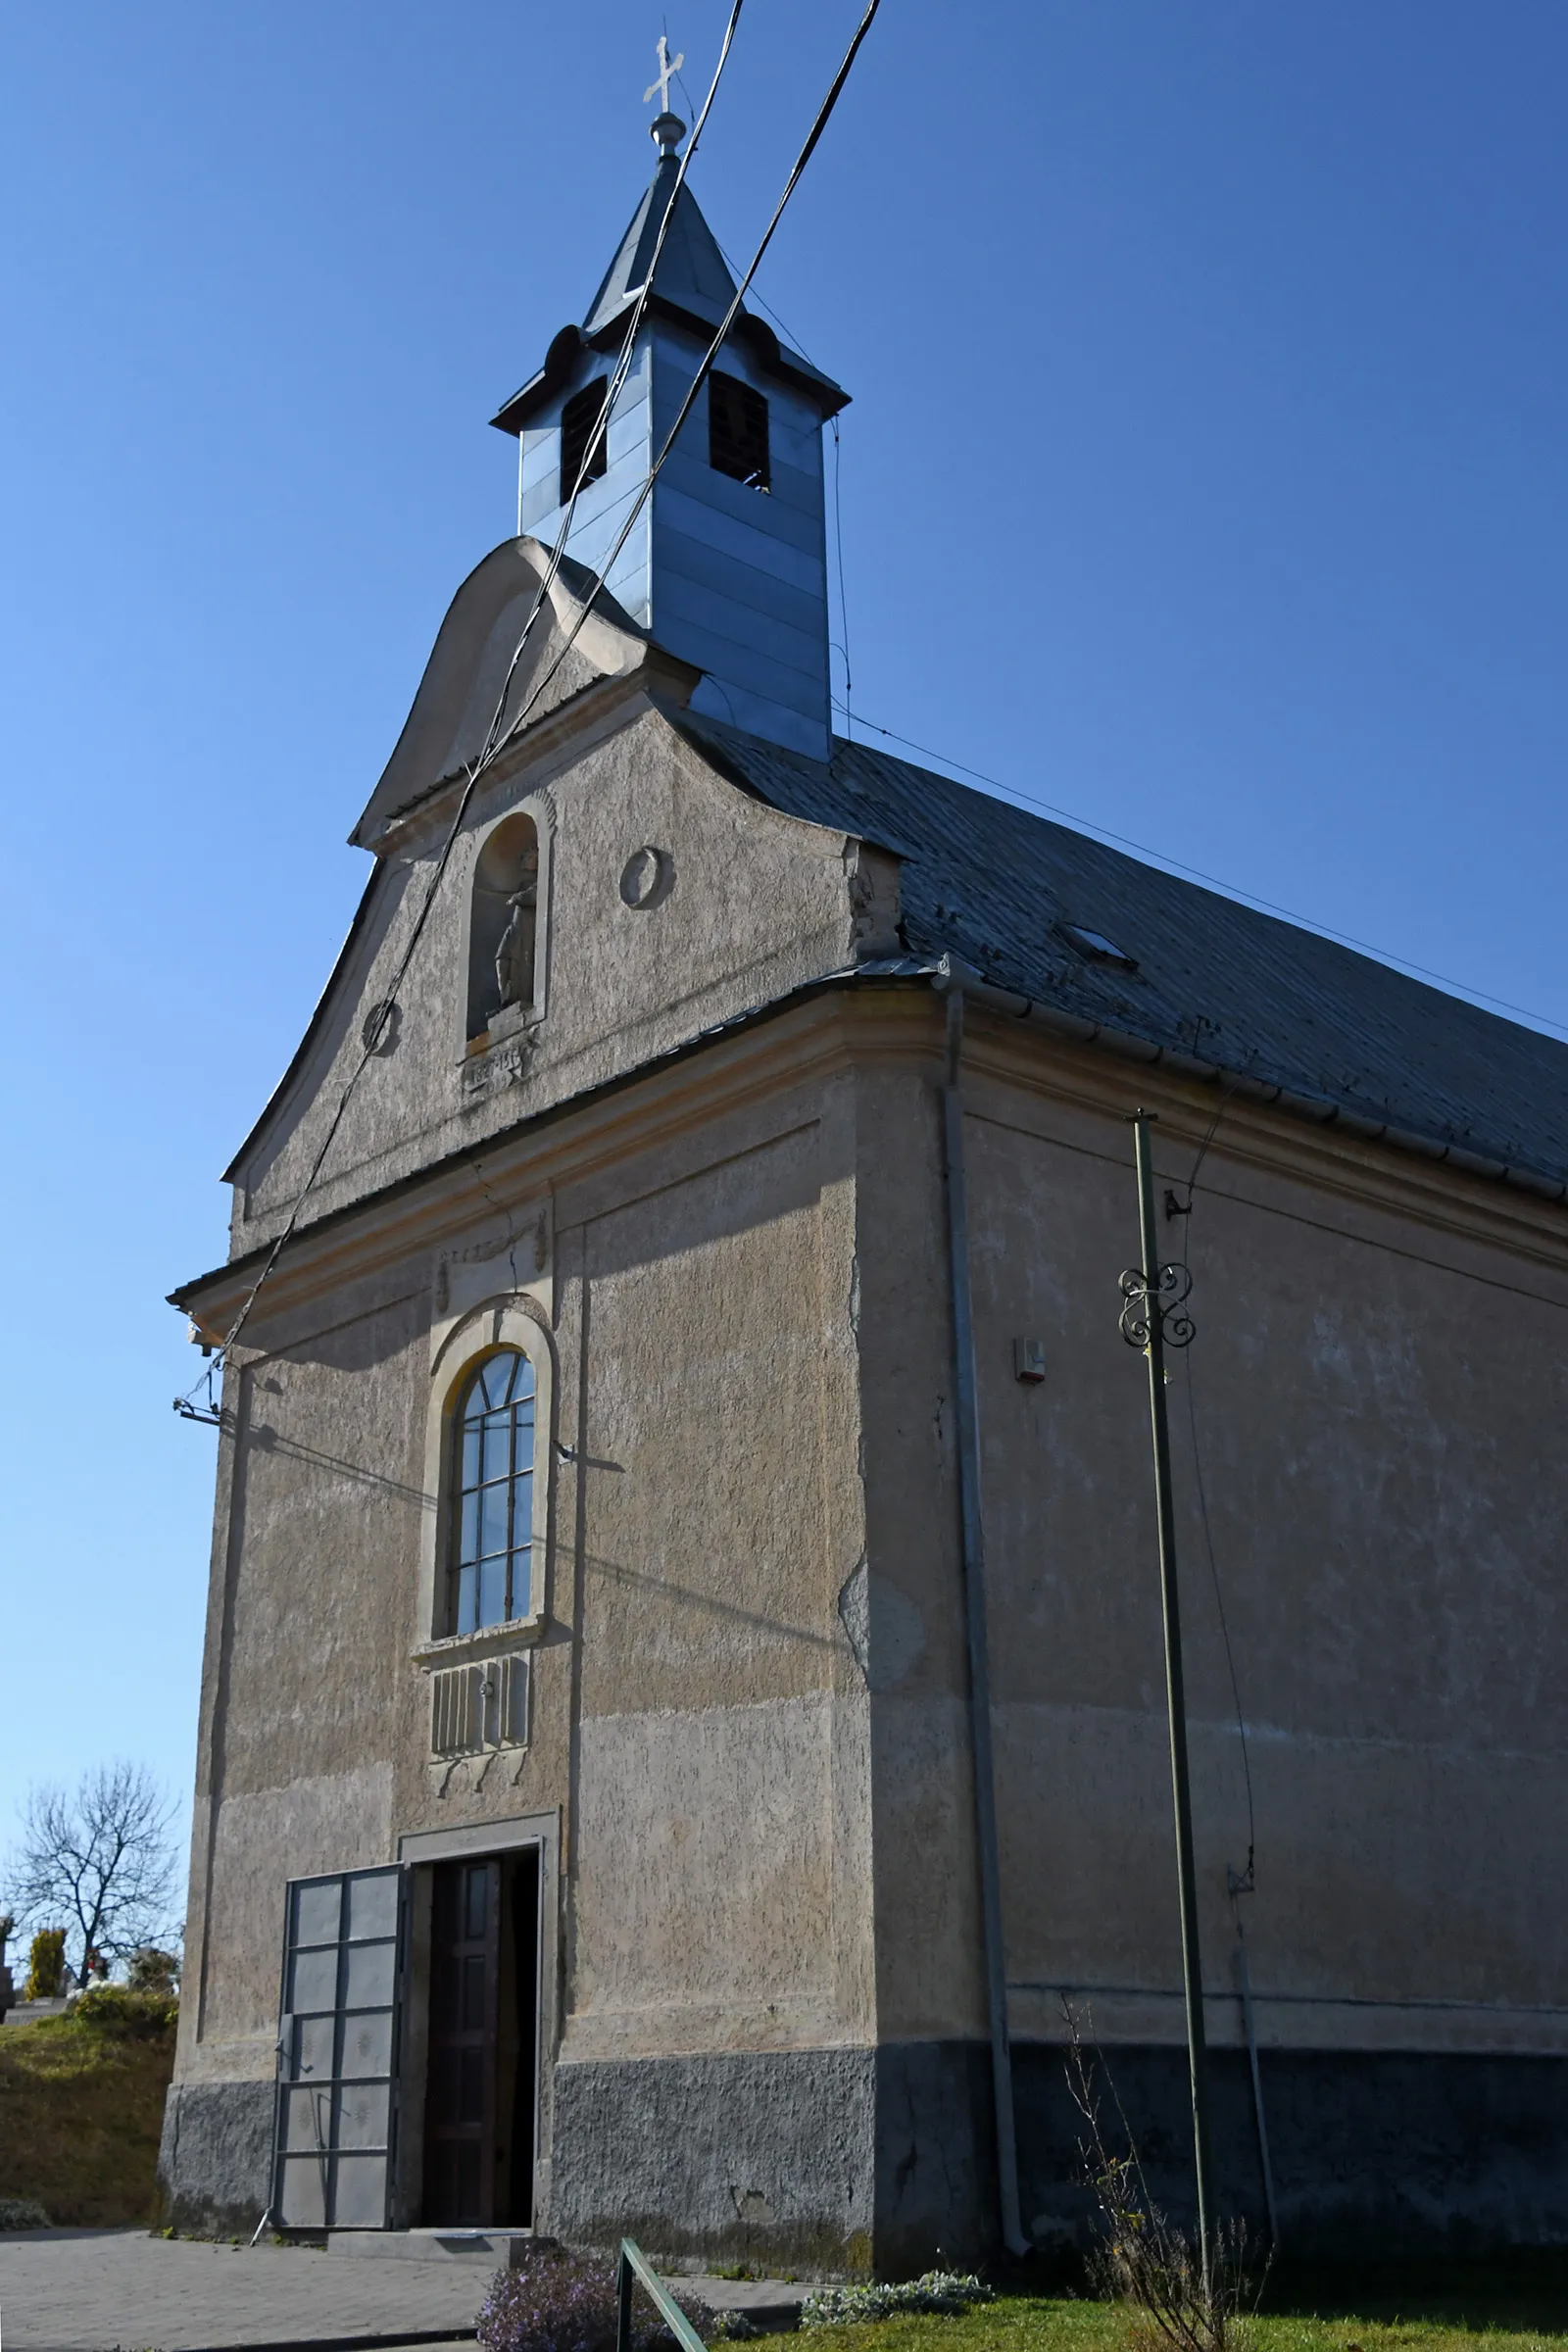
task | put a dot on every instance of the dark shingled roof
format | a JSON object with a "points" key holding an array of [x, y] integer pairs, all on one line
{"points": [[997, 888]]}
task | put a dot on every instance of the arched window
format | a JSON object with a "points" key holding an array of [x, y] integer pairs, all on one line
{"points": [[504, 923], [490, 1575]]}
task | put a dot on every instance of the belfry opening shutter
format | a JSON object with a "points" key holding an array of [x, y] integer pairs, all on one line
{"points": [[338, 2050]]}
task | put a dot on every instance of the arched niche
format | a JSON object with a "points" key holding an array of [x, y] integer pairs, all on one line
{"points": [[503, 925]]}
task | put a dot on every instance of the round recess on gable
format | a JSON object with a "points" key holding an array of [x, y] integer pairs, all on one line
{"points": [[381, 1025], [647, 877]]}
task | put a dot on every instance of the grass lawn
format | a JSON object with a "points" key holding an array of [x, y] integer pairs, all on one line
{"points": [[82, 2104], [1506, 2306]]}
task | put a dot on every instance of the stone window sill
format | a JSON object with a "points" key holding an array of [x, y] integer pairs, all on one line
{"points": [[520, 1021], [461, 1649]]}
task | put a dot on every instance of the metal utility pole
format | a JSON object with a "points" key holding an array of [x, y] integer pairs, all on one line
{"points": [[1153, 1318]]}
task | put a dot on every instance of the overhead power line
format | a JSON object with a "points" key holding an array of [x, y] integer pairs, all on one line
{"points": [[1232, 890]]}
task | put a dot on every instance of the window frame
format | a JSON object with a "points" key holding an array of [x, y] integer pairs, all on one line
{"points": [[459, 1491], [517, 1322]]}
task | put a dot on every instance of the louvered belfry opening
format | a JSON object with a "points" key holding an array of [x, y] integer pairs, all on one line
{"points": [[582, 437], [737, 431]]}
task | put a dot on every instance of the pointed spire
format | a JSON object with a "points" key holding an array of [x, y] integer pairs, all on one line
{"points": [[691, 284], [692, 274]]}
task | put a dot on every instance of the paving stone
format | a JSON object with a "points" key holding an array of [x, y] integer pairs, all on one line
{"points": [[118, 2291]]}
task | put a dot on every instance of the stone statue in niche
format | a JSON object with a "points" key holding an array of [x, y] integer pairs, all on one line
{"points": [[515, 950]]}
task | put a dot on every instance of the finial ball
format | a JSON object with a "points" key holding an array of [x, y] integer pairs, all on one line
{"points": [[667, 132]]}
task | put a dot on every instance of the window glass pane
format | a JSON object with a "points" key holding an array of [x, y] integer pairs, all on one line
{"points": [[523, 1423], [312, 1980], [317, 1911], [367, 1977], [469, 1529], [522, 1508], [493, 1591], [367, 2043], [465, 1614], [497, 1447], [469, 1473], [521, 1590], [496, 1377], [374, 1904], [493, 1529]]}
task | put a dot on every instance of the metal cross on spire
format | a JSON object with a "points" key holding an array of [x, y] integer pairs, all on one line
{"points": [[668, 68]]}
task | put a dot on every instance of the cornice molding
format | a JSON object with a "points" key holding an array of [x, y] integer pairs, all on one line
{"points": [[832, 1029]]}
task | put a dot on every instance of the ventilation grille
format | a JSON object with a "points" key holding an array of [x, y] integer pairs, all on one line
{"points": [[476, 1708], [582, 438], [737, 431]]}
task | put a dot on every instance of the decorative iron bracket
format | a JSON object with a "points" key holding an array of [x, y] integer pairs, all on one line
{"points": [[1164, 1298]]}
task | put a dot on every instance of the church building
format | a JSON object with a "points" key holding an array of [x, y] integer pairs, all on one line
{"points": [[683, 1727]]}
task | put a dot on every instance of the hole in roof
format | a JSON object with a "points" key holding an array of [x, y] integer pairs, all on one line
{"points": [[1099, 949]]}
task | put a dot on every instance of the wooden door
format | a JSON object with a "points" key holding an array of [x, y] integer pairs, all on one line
{"points": [[483, 2024], [460, 2095]]}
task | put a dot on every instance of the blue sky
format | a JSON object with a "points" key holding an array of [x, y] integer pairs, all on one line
{"points": [[1204, 476]]}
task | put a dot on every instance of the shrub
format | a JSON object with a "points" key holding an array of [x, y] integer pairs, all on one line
{"points": [[559, 2302], [126, 2014], [46, 1965], [21, 2213], [1175, 2296], [947, 2291], [151, 1971]]}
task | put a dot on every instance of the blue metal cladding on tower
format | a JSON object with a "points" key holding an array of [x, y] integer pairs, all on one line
{"points": [[728, 574]]}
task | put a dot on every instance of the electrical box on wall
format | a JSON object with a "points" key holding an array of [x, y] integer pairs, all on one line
{"points": [[1029, 1359]]}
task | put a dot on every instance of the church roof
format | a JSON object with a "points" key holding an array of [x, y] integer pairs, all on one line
{"points": [[692, 285], [1208, 980]]}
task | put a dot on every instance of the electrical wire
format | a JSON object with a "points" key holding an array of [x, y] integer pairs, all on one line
{"points": [[501, 733], [1232, 890]]}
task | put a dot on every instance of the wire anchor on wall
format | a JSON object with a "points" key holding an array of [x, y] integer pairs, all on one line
{"points": [[209, 1409]]}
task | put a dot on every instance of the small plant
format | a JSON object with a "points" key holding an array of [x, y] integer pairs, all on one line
{"points": [[948, 2291], [46, 1965], [559, 2302], [21, 2213], [1172, 2301]]}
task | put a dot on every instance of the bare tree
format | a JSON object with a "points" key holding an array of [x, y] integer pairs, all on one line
{"points": [[100, 1857]]}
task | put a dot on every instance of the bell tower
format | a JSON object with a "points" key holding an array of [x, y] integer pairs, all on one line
{"points": [[726, 566]]}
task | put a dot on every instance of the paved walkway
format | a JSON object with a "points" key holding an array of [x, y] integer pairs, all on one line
{"points": [[118, 2291]]}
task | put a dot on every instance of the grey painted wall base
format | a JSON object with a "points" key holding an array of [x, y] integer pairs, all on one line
{"points": [[849, 2161], [835, 2161], [1373, 2152], [214, 2161], [763, 2157]]}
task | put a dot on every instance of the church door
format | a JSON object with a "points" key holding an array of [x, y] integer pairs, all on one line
{"points": [[480, 2094], [338, 2050]]}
